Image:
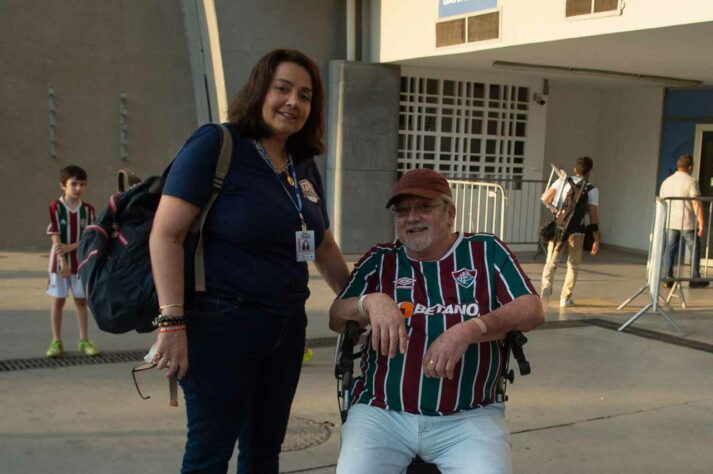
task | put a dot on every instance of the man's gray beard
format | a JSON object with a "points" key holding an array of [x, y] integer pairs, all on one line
{"points": [[418, 244]]}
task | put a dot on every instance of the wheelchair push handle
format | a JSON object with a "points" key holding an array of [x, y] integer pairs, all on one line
{"points": [[352, 333], [515, 340], [344, 368], [345, 361]]}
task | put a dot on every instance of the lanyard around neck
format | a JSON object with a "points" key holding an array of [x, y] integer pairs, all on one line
{"points": [[297, 199]]}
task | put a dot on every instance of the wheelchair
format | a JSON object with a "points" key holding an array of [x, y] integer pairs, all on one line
{"points": [[345, 356]]}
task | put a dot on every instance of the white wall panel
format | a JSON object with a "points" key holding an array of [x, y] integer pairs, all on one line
{"points": [[408, 26], [621, 132], [625, 170], [572, 126]]}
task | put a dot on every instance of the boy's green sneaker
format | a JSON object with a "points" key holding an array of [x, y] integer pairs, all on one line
{"points": [[307, 356], [55, 349], [87, 347]]}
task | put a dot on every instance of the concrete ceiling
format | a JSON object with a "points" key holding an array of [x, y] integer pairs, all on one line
{"points": [[684, 51]]}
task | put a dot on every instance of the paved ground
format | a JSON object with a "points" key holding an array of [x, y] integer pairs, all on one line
{"points": [[597, 400]]}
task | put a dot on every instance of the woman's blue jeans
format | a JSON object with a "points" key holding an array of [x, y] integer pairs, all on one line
{"points": [[244, 365]]}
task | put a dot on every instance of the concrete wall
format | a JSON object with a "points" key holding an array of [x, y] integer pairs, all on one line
{"points": [[621, 131], [408, 26], [363, 141], [625, 171], [88, 51], [573, 121]]}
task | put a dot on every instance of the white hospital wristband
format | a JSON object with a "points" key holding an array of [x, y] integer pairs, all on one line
{"points": [[360, 306]]}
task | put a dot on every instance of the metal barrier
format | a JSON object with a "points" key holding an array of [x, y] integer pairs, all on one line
{"points": [[480, 206], [675, 224], [522, 212]]}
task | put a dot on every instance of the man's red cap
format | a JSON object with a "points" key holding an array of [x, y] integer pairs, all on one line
{"points": [[422, 182]]}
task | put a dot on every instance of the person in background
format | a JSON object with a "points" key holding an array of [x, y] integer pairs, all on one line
{"points": [[575, 241], [685, 220], [69, 216]]}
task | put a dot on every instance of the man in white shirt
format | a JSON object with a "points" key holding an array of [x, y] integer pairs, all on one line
{"points": [[680, 221], [575, 241]]}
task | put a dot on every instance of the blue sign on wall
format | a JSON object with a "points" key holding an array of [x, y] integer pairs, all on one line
{"points": [[458, 7], [683, 110]]}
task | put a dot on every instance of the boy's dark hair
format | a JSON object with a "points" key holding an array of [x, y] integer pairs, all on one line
{"points": [[72, 171], [246, 107], [583, 165]]}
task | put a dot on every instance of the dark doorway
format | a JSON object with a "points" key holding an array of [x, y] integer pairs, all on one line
{"points": [[705, 181], [705, 176]]}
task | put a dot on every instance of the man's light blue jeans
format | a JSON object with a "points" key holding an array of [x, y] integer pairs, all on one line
{"points": [[385, 441], [673, 238]]}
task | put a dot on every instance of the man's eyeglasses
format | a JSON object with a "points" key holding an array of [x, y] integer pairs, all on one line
{"points": [[422, 209]]}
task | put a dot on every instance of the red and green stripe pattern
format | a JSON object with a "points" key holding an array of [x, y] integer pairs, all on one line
{"points": [[69, 225], [439, 301]]}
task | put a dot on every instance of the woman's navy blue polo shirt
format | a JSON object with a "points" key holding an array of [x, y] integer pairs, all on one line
{"points": [[249, 234]]}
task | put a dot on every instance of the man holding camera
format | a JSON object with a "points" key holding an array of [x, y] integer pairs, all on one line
{"points": [[574, 241]]}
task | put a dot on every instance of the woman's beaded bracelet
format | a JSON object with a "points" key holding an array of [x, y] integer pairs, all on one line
{"points": [[168, 325], [176, 328], [163, 319]]}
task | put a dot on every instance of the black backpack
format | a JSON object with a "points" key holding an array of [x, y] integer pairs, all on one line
{"points": [[570, 217], [115, 266]]}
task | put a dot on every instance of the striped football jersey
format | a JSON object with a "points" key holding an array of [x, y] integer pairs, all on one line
{"points": [[477, 275], [69, 225]]}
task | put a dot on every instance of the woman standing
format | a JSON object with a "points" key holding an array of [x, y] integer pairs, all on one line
{"points": [[238, 347]]}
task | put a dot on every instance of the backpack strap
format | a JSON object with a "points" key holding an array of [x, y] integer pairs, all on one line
{"points": [[571, 183], [577, 195], [221, 170], [126, 179]]}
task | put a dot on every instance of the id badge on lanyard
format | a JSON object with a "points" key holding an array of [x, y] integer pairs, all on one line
{"points": [[304, 239], [304, 245]]}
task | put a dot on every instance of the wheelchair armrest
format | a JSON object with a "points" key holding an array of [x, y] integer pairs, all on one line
{"points": [[515, 340], [352, 331], [344, 358]]}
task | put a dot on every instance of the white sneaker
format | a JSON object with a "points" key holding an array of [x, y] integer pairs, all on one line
{"points": [[565, 302], [546, 292]]}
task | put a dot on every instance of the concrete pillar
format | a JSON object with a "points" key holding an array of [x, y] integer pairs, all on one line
{"points": [[362, 141], [206, 59]]}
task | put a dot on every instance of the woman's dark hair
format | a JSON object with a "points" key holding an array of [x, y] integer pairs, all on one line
{"points": [[246, 107]]}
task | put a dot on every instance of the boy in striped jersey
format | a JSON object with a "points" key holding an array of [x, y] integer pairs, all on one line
{"points": [[69, 215], [439, 304]]}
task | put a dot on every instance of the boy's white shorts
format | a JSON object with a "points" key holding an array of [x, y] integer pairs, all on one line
{"points": [[59, 286]]}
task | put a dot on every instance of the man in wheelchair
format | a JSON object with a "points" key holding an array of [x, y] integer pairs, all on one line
{"points": [[440, 305]]}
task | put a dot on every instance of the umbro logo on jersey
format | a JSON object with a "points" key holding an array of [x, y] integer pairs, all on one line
{"points": [[404, 283], [465, 278], [408, 309]]}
